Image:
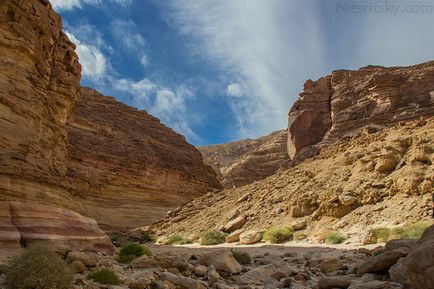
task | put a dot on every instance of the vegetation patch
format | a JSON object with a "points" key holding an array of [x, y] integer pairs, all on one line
{"points": [[242, 257], [37, 268], [335, 237], [104, 276], [176, 239], [278, 235], [131, 251], [212, 238], [409, 231]]}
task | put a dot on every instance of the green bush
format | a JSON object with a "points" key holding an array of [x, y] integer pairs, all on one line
{"points": [[335, 238], [242, 257], [37, 268], [176, 239], [131, 251], [104, 276], [409, 231], [212, 238], [145, 237], [412, 231], [278, 235]]}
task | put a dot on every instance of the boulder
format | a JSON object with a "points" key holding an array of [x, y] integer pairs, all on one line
{"points": [[200, 270], [398, 272], [381, 262], [234, 236], [222, 260], [332, 264], [420, 262], [400, 243], [142, 279], [376, 285], [181, 282], [333, 282], [88, 259], [235, 224], [250, 237]]}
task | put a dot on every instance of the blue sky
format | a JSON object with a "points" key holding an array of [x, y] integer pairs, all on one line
{"points": [[222, 70]]}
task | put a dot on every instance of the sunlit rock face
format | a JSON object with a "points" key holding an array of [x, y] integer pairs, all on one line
{"points": [[39, 84], [340, 106]]}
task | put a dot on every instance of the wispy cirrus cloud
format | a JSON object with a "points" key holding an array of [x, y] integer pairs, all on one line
{"points": [[251, 42], [130, 38], [75, 4]]}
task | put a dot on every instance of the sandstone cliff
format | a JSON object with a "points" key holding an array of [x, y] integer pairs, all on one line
{"points": [[379, 179], [39, 83], [243, 162], [125, 167], [339, 106]]}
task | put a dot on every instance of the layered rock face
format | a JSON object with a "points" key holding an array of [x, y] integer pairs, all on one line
{"points": [[127, 168], [39, 83], [341, 105], [243, 162]]}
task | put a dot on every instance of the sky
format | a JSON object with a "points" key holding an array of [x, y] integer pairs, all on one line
{"points": [[223, 70]]}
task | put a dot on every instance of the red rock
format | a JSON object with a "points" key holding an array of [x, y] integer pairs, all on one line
{"points": [[243, 162], [343, 104], [122, 160]]}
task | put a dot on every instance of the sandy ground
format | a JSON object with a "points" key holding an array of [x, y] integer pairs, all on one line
{"points": [[253, 250], [263, 248]]}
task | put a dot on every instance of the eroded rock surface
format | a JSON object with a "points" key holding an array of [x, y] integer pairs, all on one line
{"points": [[39, 83], [343, 104], [243, 162], [128, 169]]}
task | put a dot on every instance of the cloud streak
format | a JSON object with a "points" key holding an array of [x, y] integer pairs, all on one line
{"points": [[250, 41], [64, 5]]}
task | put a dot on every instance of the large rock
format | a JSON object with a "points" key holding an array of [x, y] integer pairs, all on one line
{"points": [[222, 260], [59, 229], [39, 84], [420, 262], [243, 162], [122, 160], [250, 237], [381, 262], [343, 104], [235, 224]]}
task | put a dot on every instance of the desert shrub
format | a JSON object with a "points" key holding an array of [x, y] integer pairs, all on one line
{"points": [[37, 268], [212, 238], [176, 239], [380, 235], [131, 251], [335, 238], [299, 235], [242, 257], [277, 235], [411, 231], [144, 237], [104, 276]]}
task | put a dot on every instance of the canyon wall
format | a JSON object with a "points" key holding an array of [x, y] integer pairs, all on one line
{"points": [[243, 162], [127, 168], [39, 83], [340, 106]]}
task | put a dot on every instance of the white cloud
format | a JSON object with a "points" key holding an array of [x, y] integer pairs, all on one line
{"points": [[235, 90], [259, 44], [169, 105], [92, 60], [127, 33], [73, 4]]}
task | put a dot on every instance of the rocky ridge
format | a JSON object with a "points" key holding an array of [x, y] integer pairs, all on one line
{"points": [[376, 180], [125, 167], [340, 106], [243, 162]]}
